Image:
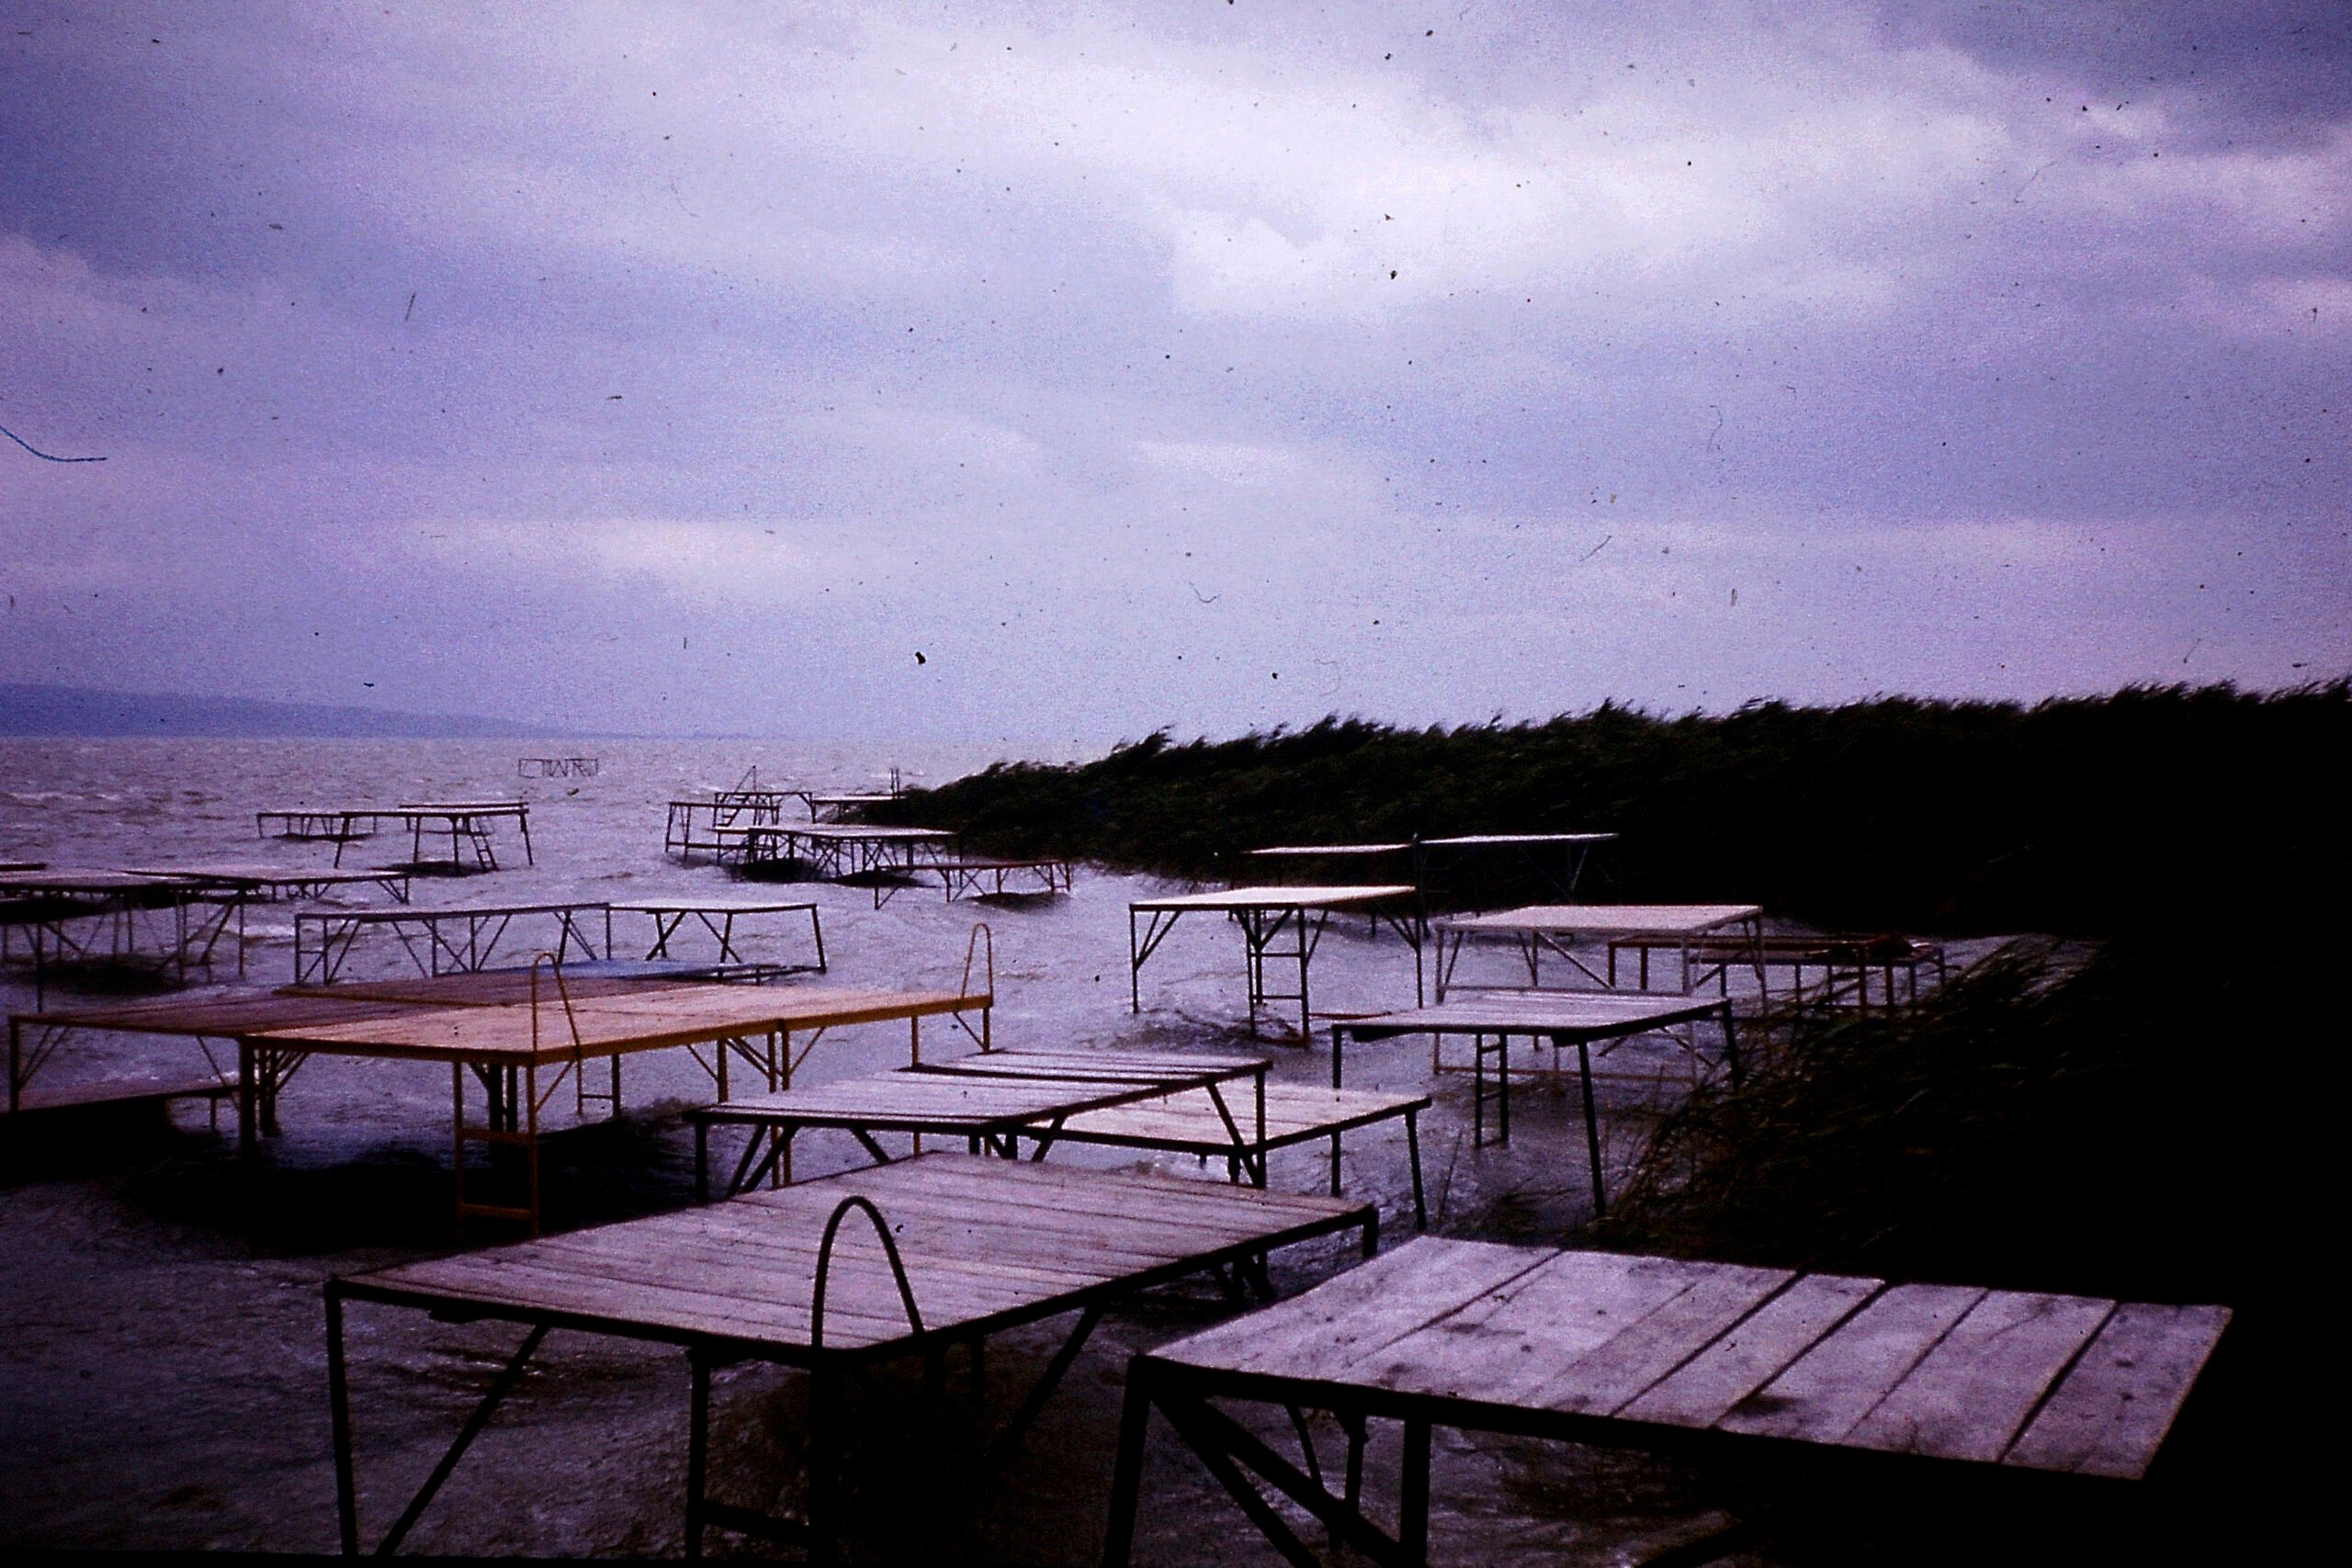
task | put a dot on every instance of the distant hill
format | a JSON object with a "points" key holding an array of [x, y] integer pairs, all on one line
{"points": [[73, 710]]}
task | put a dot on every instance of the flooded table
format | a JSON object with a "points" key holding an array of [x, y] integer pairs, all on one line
{"points": [[520, 1056], [833, 1275], [457, 940], [988, 1099], [469, 825], [1491, 1020], [1709, 940], [1266, 915]]}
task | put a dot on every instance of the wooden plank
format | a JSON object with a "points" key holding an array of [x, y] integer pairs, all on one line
{"points": [[1514, 1339], [1609, 1375], [1827, 1390], [935, 1097], [1123, 1066], [1607, 919], [1294, 1113], [1971, 1395], [1357, 1314], [216, 1017], [1069, 1189], [2111, 1412], [1751, 1353], [1149, 1230], [486, 987]]}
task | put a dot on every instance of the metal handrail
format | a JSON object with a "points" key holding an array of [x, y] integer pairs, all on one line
{"points": [[825, 1263]]}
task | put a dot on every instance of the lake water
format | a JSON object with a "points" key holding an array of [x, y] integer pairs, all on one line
{"points": [[161, 1379]]}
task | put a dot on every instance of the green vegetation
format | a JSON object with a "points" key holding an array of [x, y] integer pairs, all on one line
{"points": [[2078, 816]]}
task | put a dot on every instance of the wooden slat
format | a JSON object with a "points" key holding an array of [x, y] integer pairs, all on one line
{"points": [[1351, 1318], [1833, 1385], [1751, 1353], [1970, 1397], [1174, 1066], [1609, 1375], [1514, 1340], [1187, 1122], [2113, 1409]]}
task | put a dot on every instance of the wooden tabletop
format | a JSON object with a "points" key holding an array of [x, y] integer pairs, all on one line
{"points": [[1294, 1113], [238, 874], [911, 1101], [1566, 1015], [2036, 1380], [1607, 919], [1173, 1069], [713, 905], [492, 987], [612, 1024], [1279, 897], [463, 807], [985, 1243], [66, 881]]}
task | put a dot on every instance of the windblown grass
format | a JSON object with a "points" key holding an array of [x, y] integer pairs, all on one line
{"points": [[2078, 816], [2117, 1123]]}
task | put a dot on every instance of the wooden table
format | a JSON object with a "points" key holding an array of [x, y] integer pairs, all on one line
{"points": [[1708, 938], [1265, 915], [1652, 1352], [989, 1099], [1581, 1018], [34, 1038], [131, 911], [233, 885], [841, 850], [522, 1055], [467, 822], [983, 876], [957, 1248]]}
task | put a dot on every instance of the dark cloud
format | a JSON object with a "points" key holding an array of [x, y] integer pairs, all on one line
{"points": [[2277, 69]]}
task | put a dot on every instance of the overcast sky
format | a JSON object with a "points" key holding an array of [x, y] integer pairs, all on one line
{"points": [[1052, 371]]}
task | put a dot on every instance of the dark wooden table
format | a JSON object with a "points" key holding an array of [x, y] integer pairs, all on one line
{"points": [[832, 1275], [1654, 1352]]}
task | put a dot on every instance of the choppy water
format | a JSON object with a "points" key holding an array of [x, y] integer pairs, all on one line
{"points": [[161, 1379]]}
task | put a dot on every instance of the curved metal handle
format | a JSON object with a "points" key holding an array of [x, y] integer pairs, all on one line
{"points": [[971, 950], [564, 994], [825, 1264]]}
